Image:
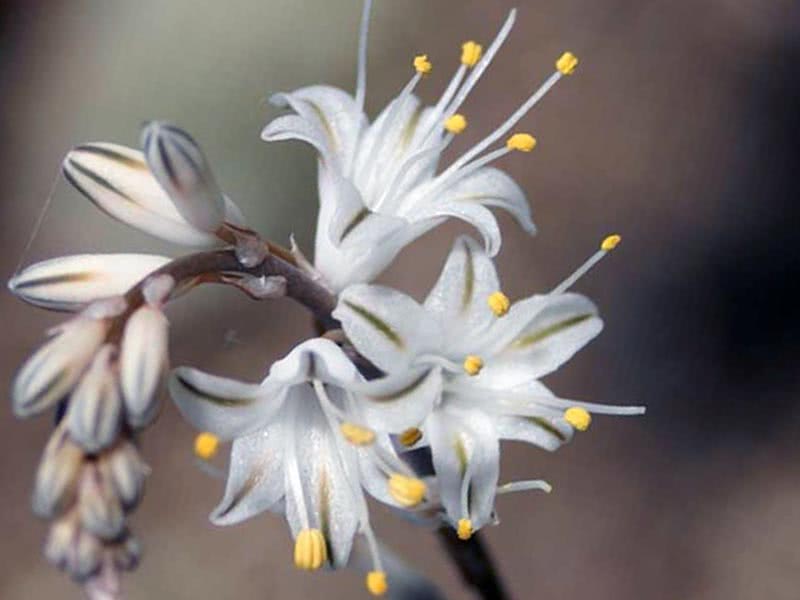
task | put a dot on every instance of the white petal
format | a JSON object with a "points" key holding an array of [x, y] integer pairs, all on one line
{"points": [[95, 408], [464, 444], [143, 362], [292, 127], [331, 111], [462, 290], [55, 368], [255, 477], [225, 407], [474, 214], [491, 187], [69, 282], [564, 325], [317, 358], [398, 402], [179, 165], [328, 475], [387, 327], [118, 181]]}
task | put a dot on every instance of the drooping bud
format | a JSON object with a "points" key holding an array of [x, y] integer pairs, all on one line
{"points": [[127, 471], [57, 475], [126, 552], [95, 408], [98, 506], [55, 368], [71, 548], [180, 166], [143, 362], [70, 282]]}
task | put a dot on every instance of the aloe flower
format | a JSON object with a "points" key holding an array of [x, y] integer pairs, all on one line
{"points": [[464, 369], [299, 449], [380, 183]]}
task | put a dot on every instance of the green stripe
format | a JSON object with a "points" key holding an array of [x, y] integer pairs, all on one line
{"points": [[469, 279], [538, 336], [55, 279], [360, 216], [218, 400], [378, 323], [405, 391], [547, 426]]}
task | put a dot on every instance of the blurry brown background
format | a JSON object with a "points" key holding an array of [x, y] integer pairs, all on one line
{"points": [[680, 131]]}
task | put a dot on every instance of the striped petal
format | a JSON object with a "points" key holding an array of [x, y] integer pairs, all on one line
{"points": [[70, 282]]}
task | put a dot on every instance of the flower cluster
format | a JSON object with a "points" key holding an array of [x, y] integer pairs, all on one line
{"points": [[397, 400]]}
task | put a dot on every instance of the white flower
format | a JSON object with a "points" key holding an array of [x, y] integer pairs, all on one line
{"points": [[70, 282], [168, 192], [380, 184], [465, 368], [298, 449]]}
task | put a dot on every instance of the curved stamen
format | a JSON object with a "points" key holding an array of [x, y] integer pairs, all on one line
{"points": [[607, 245]]}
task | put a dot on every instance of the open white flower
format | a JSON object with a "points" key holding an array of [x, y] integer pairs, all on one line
{"points": [[298, 449], [465, 367], [380, 184]]}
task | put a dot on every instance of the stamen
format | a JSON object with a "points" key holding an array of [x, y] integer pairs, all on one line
{"points": [[410, 437], [578, 417], [566, 63], [422, 65], [471, 53], [206, 445], [361, 72], [310, 550], [376, 583], [473, 364], [523, 142], [464, 529], [356, 434], [499, 303], [524, 486], [407, 491], [606, 246], [456, 124]]}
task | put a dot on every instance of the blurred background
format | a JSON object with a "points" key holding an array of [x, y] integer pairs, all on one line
{"points": [[680, 131]]}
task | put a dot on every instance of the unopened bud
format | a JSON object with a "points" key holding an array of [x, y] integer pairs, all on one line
{"points": [[98, 506], [57, 475]]}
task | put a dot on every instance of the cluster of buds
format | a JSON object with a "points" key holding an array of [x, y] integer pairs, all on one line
{"points": [[104, 369]]}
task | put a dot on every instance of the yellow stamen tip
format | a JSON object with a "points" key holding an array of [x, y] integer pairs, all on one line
{"points": [[356, 434], [524, 142], [408, 491], [578, 417], [422, 65], [456, 124], [464, 529], [610, 242], [310, 550], [410, 437], [376, 583], [206, 445], [471, 53], [567, 63], [499, 303], [473, 364]]}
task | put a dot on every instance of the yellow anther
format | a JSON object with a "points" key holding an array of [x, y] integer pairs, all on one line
{"points": [[567, 63], [422, 64], [408, 491], [206, 445], [471, 53], [499, 303], [578, 417], [376, 583], [464, 529], [473, 364], [356, 434], [610, 242], [456, 124], [524, 142], [310, 550], [410, 437]]}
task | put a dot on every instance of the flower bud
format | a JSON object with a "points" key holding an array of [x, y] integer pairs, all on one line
{"points": [[70, 282], [57, 475], [143, 362], [126, 553], [127, 471], [55, 368], [98, 506], [95, 408], [118, 181], [180, 166]]}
